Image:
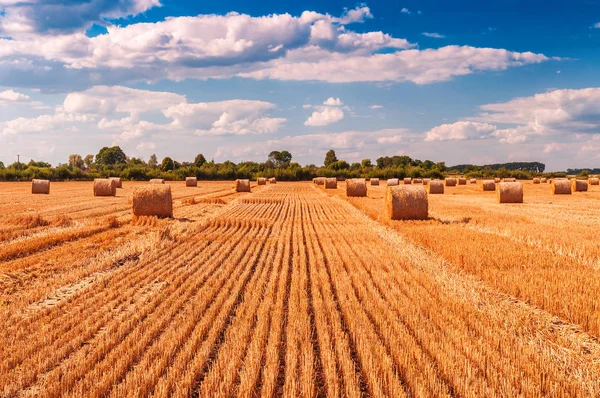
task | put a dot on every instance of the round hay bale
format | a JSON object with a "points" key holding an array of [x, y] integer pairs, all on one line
{"points": [[374, 181], [488, 185], [594, 181], [272, 180], [407, 181], [473, 181], [435, 187], [496, 180], [579, 185], [105, 187], [536, 180], [461, 181], [509, 180], [191, 181], [261, 181], [356, 187], [118, 181], [543, 180], [40, 187], [407, 203], [417, 181], [152, 200], [242, 185], [426, 181], [320, 181], [157, 181], [331, 183], [510, 192], [450, 182], [561, 187], [393, 182]]}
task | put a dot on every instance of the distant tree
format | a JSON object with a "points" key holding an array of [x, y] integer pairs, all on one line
{"points": [[88, 161], [39, 164], [199, 160], [280, 159], [75, 160], [2, 165], [153, 161], [167, 164], [366, 163], [330, 158], [111, 156], [136, 161]]}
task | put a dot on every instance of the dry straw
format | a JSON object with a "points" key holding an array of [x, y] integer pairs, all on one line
{"points": [[157, 181], [272, 180], [320, 181], [40, 187], [417, 181], [407, 203], [594, 181], [407, 181], [242, 185], [261, 181], [356, 187], [561, 187], [393, 182], [118, 181], [450, 182], [488, 185], [152, 200], [473, 181], [331, 183], [462, 181], [496, 180], [510, 192], [536, 181], [191, 181], [543, 180], [509, 180], [374, 181], [105, 187], [426, 181], [435, 187], [579, 185]]}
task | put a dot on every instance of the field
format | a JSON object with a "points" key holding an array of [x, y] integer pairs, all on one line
{"points": [[297, 291]]}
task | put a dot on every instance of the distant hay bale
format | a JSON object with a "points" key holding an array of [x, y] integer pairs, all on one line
{"points": [[407, 181], [417, 181], [496, 180], [152, 200], [488, 185], [543, 180], [272, 180], [374, 181], [157, 181], [393, 182], [450, 182], [461, 181], [510, 192], [356, 187], [536, 180], [561, 187], [242, 185], [407, 203], [426, 181], [191, 181], [331, 183], [509, 180], [40, 186], [473, 181], [435, 187], [118, 181], [320, 180], [261, 181], [105, 187], [594, 181], [579, 185]]}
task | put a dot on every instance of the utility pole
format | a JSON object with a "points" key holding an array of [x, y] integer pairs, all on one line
{"points": [[18, 162]]}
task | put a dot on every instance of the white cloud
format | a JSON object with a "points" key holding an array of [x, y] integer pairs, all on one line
{"points": [[433, 35], [460, 131], [597, 25], [43, 123], [13, 96], [405, 10], [324, 117], [333, 102], [376, 106], [553, 147]]}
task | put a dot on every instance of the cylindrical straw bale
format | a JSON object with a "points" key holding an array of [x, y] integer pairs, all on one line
{"points": [[393, 182], [40, 186], [242, 185], [191, 181], [461, 181], [407, 203], [579, 185], [261, 181], [496, 180], [118, 181], [488, 185], [105, 187], [417, 181], [435, 187], [157, 181], [543, 180], [374, 181], [356, 187], [510, 192], [426, 181], [450, 182], [536, 180], [272, 180], [473, 181], [509, 180], [152, 200], [561, 187], [320, 181], [331, 183], [407, 181], [594, 181]]}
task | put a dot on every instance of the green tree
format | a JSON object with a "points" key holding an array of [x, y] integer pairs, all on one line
{"points": [[330, 158], [75, 160], [167, 164], [2, 165], [88, 161], [136, 161], [280, 159], [111, 156], [199, 160], [366, 163], [153, 161]]}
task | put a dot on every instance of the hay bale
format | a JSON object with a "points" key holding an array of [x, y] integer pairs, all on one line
{"points": [[356, 187], [450, 182], [594, 181], [374, 181], [435, 187], [510, 192], [543, 180], [272, 180], [191, 181], [105, 187], [331, 183], [488, 185], [152, 200], [473, 181], [157, 181], [407, 181], [393, 182], [496, 180], [579, 185], [261, 181], [426, 181], [242, 185], [40, 187], [320, 181], [536, 180], [561, 187], [417, 181], [509, 180], [407, 203], [118, 181], [461, 181]]}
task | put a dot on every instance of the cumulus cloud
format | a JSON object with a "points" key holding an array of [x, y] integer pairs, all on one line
{"points": [[553, 147], [597, 25], [13, 96], [325, 116], [459, 131], [433, 35], [333, 102], [405, 10], [376, 106]]}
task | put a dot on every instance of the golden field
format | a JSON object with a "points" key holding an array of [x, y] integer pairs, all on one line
{"points": [[293, 290]]}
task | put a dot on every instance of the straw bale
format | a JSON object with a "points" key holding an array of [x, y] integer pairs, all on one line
{"points": [[450, 182], [407, 181], [118, 181], [435, 187], [594, 181], [407, 203], [331, 183], [261, 181], [242, 185], [356, 187], [152, 200], [40, 186], [488, 185], [536, 181], [374, 181], [473, 181], [579, 185], [157, 181], [105, 187], [191, 181], [561, 187], [510, 192], [393, 182]]}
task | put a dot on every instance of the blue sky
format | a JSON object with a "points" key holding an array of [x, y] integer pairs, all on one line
{"points": [[461, 82]]}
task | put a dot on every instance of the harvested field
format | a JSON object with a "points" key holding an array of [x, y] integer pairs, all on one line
{"points": [[297, 291]]}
